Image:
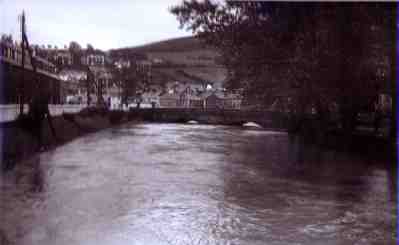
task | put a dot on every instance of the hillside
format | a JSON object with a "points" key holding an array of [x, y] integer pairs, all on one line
{"points": [[194, 75], [181, 59], [182, 44]]}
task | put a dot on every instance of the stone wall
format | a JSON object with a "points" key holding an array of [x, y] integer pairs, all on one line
{"points": [[18, 141]]}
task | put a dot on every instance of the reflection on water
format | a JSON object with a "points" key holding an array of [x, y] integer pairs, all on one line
{"points": [[196, 184]]}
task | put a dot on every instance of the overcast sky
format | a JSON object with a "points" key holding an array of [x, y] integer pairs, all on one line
{"points": [[105, 24]]}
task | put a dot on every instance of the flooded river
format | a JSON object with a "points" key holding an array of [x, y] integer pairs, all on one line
{"points": [[151, 184]]}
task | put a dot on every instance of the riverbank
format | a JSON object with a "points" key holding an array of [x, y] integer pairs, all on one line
{"points": [[18, 141], [362, 141]]}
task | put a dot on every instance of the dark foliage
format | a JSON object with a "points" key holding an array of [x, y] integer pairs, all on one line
{"points": [[314, 55]]}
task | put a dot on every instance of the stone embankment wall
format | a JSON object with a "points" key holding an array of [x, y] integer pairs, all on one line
{"points": [[18, 141]]}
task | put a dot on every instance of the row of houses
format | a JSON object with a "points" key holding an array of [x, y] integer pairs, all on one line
{"points": [[160, 90], [167, 88], [190, 97], [207, 100]]}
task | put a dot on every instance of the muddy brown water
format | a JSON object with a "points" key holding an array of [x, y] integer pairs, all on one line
{"points": [[156, 184]]}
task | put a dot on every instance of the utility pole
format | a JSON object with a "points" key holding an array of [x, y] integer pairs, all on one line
{"points": [[22, 85], [24, 42]]}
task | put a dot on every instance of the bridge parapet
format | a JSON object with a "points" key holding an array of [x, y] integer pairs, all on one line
{"points": [[266, 118]]}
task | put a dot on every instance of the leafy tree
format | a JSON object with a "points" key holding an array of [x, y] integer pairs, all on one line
{"points": [[317, 54], [76, 52], [89, 48], [74, 47], [126, 78], [6, 38]]}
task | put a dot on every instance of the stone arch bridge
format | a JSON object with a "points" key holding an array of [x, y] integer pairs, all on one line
{"points": [[267, 119]]}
